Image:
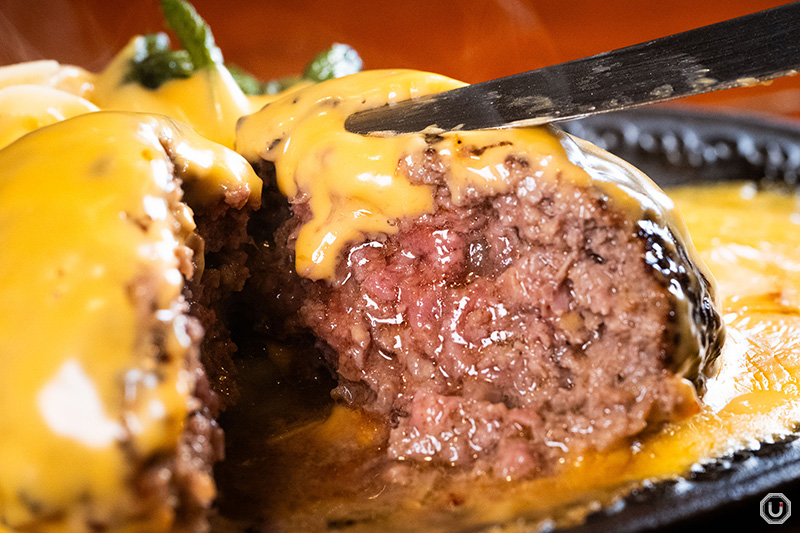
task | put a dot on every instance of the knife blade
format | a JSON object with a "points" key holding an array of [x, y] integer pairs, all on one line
{"points": [[743, 51]]}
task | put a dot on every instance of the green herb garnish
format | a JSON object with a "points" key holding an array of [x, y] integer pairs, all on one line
{"points": [[337, 61], [248, 83], [192, 31], [154, 62]]}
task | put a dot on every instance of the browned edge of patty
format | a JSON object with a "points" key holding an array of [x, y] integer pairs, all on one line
{"points": [[212, 263]]}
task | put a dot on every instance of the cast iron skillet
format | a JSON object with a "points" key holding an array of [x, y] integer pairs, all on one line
{"points": [[677, 146], [673, 147]]}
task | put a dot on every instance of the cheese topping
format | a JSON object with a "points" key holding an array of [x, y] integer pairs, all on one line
{"points": [[209, 101], [24, 108], [92, 228], [355, 187], [48, 73], [351, 181], [89, 210], [43, 92], [39, 93]]}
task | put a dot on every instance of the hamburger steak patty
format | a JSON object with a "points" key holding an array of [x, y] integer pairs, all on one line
{"points": [[509, 329], [543, 304]]}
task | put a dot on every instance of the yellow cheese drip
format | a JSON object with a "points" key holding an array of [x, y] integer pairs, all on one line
{"points": [[209, 101], [48, 73], [351, 182], [24, 108], [355, 187], [89, 226], [38, 93]]}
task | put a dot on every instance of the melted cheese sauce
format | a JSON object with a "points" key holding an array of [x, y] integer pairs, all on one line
{"points": [[356, 189], [81, 384], [39, 93], [209, 101], [89, 212], [25, 108], [73, 277], [328, 469], [352, 182]]}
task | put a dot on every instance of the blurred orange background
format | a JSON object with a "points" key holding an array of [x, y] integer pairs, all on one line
{"points": [[470, 40]]}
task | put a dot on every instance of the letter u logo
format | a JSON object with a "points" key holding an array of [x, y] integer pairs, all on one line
{"points": [[771, 512]]}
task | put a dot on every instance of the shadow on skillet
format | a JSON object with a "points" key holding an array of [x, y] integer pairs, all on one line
{"points": [[676, 147]]}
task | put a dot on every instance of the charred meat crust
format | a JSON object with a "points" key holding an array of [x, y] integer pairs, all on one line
{"points": [[669, 261]]}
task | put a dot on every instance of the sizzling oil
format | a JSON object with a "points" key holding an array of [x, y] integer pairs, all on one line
{"points": [[320, 467]]}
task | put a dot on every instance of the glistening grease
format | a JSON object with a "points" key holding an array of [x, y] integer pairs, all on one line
{"points": [[357, 188], [320, 466]]}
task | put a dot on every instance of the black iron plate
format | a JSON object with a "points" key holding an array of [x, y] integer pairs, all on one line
{"points": [[677, 146], [680, 146]]}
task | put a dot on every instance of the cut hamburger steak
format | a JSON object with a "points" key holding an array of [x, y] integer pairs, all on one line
{"points": [[495, 301], [501, 299], [109, 417]]}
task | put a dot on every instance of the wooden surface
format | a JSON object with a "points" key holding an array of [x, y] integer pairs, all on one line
{"points": [[472, 40]]}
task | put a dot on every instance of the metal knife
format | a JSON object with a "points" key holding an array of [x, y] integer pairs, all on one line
{"points": [[738, 52]]}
